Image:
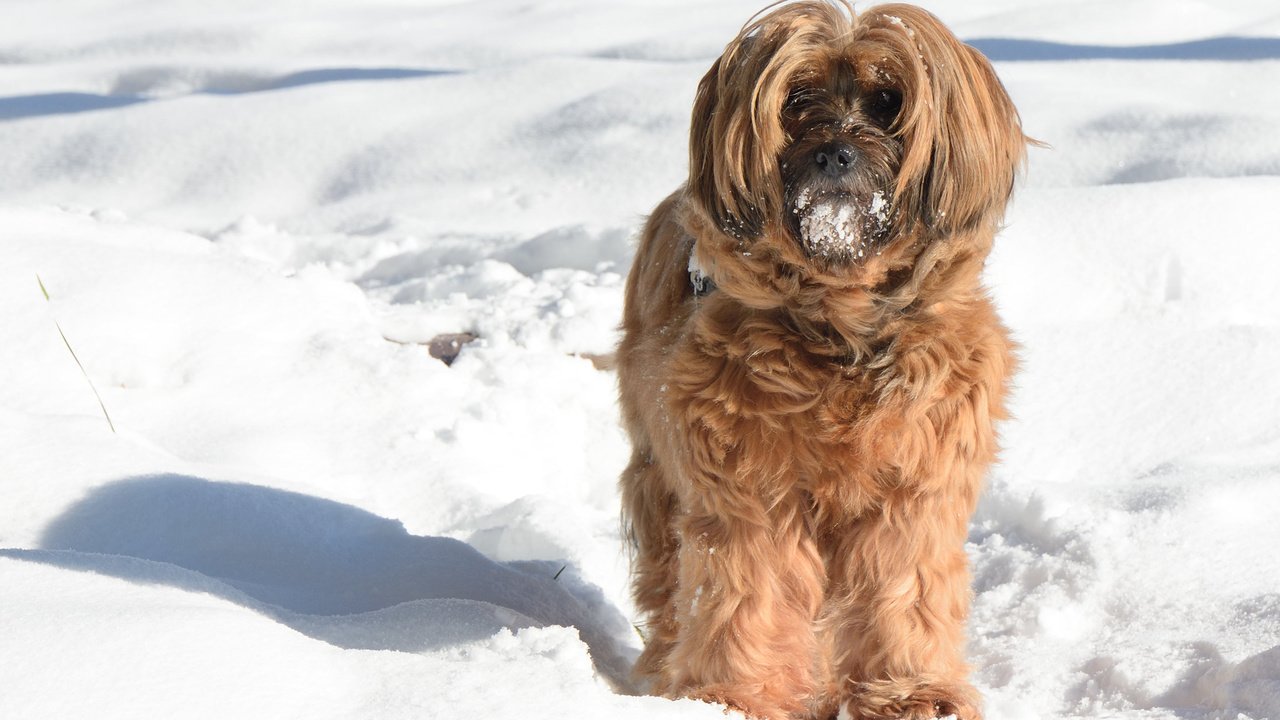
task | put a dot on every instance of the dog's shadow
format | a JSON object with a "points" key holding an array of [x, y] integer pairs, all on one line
{"points": [[330, 571]]}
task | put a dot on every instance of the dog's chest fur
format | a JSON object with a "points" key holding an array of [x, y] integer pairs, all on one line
{"points": [[855, 424]]}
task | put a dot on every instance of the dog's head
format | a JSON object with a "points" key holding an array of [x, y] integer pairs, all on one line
{"points": [[838, 138]]}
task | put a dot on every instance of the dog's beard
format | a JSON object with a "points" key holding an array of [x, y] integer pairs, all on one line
{"points": [[847, 216], [841, 226]]}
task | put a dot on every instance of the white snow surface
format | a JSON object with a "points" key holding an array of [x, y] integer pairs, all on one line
{"points": [[249, 215]]}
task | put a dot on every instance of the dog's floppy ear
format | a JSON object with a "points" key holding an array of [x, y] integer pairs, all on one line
{"points": [[962, 137], [728, 167], [980, 147], [736, 134]]}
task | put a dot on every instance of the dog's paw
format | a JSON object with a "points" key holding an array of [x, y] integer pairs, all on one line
{"points": [[892, 700]]}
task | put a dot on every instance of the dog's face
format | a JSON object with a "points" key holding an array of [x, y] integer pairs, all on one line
{"points": [[840, 162], [851, 137]]}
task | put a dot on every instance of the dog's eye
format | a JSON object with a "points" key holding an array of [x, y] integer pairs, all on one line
{"points": [[883, 106], [797, 98]]}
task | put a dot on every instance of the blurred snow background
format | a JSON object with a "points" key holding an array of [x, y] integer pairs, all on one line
{"points": [[249, 214]]}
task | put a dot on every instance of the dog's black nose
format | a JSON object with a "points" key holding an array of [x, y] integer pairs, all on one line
{"points": [[834, 158]]}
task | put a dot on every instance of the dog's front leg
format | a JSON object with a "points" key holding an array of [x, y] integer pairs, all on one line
{"points": [[751, 583], [649, 508], [903, 594]]}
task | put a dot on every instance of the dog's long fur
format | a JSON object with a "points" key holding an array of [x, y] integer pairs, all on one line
{"points": [[810, 437]]}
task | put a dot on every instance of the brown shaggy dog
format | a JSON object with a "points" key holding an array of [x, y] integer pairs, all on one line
{"points": [[812, 415]]}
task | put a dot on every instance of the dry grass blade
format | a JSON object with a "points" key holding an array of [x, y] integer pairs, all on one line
{"points": [[77, 359]]}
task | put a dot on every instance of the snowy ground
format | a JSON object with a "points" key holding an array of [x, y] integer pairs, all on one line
{"points": [[247, 218]]}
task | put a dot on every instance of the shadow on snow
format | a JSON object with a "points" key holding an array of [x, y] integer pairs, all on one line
{"points": [[66, 103], [1230, 48], [330, 571]]}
